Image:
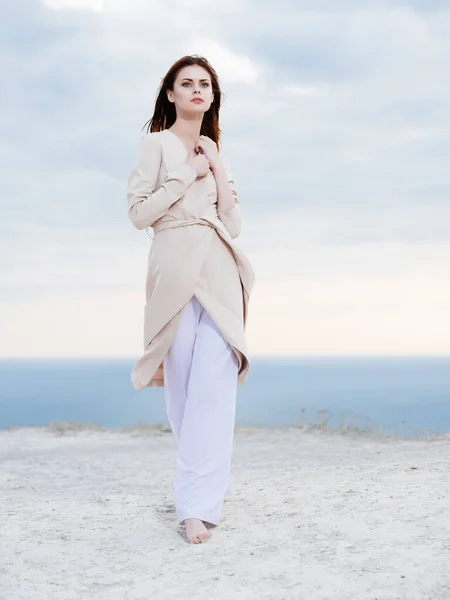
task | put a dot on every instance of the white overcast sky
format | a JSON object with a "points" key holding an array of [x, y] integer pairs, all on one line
{"points": [[337, 129]]}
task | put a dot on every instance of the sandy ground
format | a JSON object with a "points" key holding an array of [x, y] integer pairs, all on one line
{"points": [[88, 514]]}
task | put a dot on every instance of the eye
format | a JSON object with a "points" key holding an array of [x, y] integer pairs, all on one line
{"points": [[205, 83], [185, 83]]}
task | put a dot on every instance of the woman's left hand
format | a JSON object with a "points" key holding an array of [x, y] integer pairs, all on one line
{"points": [[208, 147]]}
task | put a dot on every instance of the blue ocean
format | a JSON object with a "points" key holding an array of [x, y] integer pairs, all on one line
{"points": [[407, 396]]}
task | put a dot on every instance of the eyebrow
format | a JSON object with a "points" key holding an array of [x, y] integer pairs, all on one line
{"points": [[189, 79]]}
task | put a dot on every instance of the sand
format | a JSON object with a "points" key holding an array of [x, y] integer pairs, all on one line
{"points": [[88, 514]]}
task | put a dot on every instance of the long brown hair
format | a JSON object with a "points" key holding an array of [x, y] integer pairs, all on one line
{"points": [[165, 114]]}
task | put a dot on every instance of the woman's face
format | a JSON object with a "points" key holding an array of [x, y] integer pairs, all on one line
{"points": [[192, 84]]}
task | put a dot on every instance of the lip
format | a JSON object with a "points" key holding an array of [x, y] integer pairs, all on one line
{"points": [[197, 100]]}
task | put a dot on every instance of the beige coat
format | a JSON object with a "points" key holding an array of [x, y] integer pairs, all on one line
{"points": [[192, 253]]}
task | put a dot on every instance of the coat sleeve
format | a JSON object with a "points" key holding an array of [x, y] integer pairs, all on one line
{"points": [[145, 203], [231, 218]]}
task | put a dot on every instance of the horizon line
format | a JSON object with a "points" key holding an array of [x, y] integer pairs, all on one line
{"points": [[252, 357]]}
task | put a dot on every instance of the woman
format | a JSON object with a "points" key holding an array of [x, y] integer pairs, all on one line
{"points": [[198, 286]]}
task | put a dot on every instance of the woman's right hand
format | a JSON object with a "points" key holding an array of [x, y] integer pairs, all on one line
{"points": [[199, 163]]}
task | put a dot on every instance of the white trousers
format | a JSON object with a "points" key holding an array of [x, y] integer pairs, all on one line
{"points": [[200, 384]]}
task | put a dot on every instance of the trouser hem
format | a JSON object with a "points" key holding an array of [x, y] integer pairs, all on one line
{"points": [[192, 514]]}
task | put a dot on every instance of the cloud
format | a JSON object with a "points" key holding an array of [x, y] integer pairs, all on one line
{"points": [[379, 316], [233, 67], [336, 127], [94, 5], [315, 312]]}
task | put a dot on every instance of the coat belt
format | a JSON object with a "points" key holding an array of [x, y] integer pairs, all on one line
{"points": [[157, 227]]}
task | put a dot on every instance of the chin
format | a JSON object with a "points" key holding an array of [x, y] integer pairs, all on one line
{"points": [[198, 107]]}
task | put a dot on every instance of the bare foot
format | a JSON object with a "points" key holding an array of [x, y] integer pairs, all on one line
{"points": [[196, 531]]}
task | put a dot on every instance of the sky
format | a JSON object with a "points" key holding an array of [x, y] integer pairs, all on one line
{"points": [[336, 126]]}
